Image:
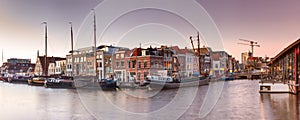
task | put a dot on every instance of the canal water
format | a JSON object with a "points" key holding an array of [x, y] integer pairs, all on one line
{"points": [[239, 99]]}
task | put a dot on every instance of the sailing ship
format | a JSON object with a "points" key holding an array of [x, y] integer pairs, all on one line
{"points": [[176, 81], [105, 84]]}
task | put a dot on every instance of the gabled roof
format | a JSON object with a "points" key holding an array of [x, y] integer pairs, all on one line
{"points": [[49, 60]]}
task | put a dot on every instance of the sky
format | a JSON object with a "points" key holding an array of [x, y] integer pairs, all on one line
{"points": [[272, 23]]}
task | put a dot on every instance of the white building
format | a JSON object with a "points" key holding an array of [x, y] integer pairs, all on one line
{"points": [[51, 69], [220, 63], [60, 67]]}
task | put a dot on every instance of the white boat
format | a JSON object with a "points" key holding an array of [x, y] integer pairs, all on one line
{"points": [[274, 87], [164, 79]]}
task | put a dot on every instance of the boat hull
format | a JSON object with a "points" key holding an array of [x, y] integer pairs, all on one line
{"points": [[273, 88], [108, 84], [19, 80], [36, 81], [60, 84], [193, 83]]}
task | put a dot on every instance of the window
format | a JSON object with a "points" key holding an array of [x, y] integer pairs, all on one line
{"points": [[139, 76], [145, 75], [140, 64], [117, 64], [133, 63], [128, 62], [122, 64], [152, 63], [216, 65], [145, 64]]}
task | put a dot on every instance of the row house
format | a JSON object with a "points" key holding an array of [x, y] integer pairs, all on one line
{"points": [[106, 60], [84, 61], [45, 66], [205, 54], [60, 67], [150, 61], [233, 65], [136, 64], [119, 65], [187, 60], [17, 66], [220, 63]]}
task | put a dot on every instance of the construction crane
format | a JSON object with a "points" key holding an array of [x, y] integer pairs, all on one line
{"points": [[251, 43]]}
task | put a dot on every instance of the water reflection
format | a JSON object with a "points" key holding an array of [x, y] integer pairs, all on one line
{"points": [[20, 101], [279, 106], [239, 100]]}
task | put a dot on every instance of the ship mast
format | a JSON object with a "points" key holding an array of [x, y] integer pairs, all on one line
{"points": [[199, 53], [72, 50], [45, 66], [95, 39]]}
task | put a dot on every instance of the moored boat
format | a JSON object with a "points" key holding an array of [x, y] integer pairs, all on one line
{"points": [[190, 82], [106, 84], [66, 82], [19, 79], [36, 81]]}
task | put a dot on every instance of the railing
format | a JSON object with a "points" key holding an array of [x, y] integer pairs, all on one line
{"points": [[276, 79]]}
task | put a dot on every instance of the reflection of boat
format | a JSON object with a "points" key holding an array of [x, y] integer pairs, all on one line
{"points": [[226, 78], [191, 82], [37, 81], [108, 84], [64, 82]]}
